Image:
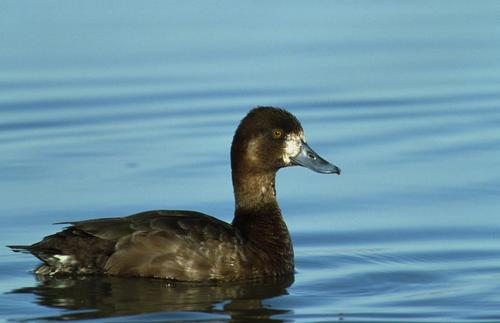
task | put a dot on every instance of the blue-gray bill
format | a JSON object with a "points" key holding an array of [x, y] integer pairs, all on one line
{"points": [[307, 157]]}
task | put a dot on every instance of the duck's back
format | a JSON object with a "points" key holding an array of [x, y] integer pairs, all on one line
{"points": [[181, 245]]}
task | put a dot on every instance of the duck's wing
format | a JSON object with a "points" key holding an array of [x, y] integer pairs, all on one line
{"points": [[177, 221], [182, 245]]}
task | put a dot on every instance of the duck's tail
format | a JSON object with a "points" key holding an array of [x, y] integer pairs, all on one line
{"points": [[69, 251], [19, 248]]}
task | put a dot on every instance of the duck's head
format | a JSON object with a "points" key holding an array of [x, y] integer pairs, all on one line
{"points": [[268, 139]]}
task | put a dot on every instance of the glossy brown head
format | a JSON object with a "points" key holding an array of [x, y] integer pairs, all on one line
{"points": [[268, 139]]}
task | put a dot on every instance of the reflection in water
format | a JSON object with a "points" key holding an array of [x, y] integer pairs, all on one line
{"points": [[89, 297]]}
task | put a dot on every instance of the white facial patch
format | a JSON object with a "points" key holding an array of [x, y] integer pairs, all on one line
{"points": [[293, 142]]}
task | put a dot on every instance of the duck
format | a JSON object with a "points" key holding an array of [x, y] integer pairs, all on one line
{"points": [[191, 246]]}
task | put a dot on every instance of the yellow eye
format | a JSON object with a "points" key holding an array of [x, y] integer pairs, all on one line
{"points": [[277, 133]]}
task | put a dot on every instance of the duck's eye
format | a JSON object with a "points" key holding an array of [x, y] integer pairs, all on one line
{"points": [[277, 133]]}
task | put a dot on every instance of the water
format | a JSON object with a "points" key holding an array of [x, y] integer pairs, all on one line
{"points": [[107, 109]]}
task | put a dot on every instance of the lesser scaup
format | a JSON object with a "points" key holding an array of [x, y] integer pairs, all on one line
{"points": [[192, 246]]}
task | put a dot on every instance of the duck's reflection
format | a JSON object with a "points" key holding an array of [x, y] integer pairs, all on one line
{"points": [[90, 297]]}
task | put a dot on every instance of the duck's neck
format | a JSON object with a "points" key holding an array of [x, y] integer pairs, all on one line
{"points": [[254, 190], [258, 216]]}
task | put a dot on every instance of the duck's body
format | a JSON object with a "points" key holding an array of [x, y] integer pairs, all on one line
{"points": [[180, 245], [191, 246]]}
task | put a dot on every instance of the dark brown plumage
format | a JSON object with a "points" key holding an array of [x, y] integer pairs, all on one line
{"points": [[191, 246]]}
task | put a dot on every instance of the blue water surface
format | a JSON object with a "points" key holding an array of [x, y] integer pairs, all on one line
{"points": [[111, 108]]}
